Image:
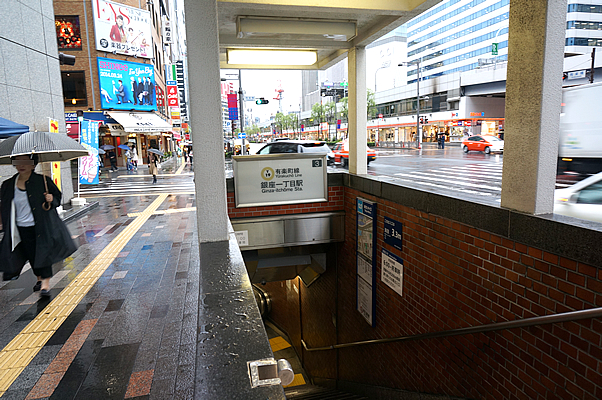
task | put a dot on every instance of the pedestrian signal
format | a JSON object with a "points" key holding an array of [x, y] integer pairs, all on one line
{"points": [[261, 100]]}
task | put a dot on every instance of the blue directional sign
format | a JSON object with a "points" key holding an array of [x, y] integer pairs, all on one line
{"points": [[242, 135], [393, 233]]}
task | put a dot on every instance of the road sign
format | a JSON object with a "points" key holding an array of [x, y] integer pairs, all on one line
{"points": [[494, 49], [576, 74], [242, 135]]}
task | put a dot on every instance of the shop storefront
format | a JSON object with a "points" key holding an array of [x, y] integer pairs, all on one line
{"points": [[145, 129]]}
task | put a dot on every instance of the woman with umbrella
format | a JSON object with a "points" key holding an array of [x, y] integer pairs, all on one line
{"points": [[153, 162], [28, 201], [33, 230]]}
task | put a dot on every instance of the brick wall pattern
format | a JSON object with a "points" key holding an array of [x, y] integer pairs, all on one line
{"points": [[454, 276]]}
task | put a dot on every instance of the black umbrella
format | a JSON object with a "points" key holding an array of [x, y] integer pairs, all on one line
{"points": [[155, 151], [49, 147], [107, 147]]}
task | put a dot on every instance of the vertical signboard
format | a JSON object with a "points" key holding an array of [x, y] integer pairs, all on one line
{"points": [[53, 127], [88, 166], [366, 259]]}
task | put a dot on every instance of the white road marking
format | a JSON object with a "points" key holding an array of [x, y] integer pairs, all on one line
{"points": [[105, 230]]}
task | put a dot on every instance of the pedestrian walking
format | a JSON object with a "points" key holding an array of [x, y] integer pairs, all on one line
{"points": [[135, 158], [190, 155], [442, 140], [128, 160], [32, 228], [112, 160], [153, 167]]}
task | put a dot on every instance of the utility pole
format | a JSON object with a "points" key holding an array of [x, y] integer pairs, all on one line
{"points": [[591, 72], [241, 117]]}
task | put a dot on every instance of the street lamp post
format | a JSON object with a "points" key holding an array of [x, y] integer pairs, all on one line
{"points": [[418, 133]]}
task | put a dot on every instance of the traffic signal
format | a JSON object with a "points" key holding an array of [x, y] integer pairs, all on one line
{"points": [[421, 121], [261, 100], [426, 120]]}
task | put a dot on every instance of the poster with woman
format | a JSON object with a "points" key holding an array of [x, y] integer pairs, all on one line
{"points": [[88, 166], [121, 29]]}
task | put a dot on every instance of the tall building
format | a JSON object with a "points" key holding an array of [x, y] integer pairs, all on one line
{"points": [[583, 27], [30, 89], [119, 77]]}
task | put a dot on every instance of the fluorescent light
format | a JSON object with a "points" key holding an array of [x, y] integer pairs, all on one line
{"points": [[272, 57]]}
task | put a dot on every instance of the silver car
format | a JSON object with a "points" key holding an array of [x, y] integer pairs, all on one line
{"points": [[298, 146], [582, 200]]}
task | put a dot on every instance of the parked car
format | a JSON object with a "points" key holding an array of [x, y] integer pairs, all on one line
{"points": [[298, 146], [341, 153], [486, 143], [581, 200]]}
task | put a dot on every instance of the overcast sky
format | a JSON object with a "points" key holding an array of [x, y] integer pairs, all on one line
{"points": [[263, 83]]}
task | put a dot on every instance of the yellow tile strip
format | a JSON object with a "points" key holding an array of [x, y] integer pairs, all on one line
{"points": [[297, 381], [24, 347], [278, 343]]}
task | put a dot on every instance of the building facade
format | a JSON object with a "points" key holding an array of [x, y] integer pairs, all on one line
{"points": [[121, 48], [30, 76]]}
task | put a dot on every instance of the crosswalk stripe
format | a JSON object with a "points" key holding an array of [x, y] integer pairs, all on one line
{"points": [[498, 189]]}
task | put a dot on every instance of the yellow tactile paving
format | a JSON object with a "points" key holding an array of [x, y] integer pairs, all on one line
{"points": [[297, 381], [24, 347], [278, 343]]}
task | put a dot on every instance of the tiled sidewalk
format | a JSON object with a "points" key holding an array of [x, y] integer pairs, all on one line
{"points": [[133, 333]]}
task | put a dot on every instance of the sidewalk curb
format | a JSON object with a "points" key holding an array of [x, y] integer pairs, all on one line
{"points": [[79, 212]]}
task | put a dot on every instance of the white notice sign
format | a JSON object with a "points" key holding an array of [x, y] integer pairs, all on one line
{"points": [[392, 271], [276, 179], [242, 237], [364, 299]]}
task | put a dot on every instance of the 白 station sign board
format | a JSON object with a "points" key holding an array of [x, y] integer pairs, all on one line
{"points": [[278, 179]]}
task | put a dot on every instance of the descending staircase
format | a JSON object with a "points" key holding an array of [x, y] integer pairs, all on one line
{"points": [[309, 392]]}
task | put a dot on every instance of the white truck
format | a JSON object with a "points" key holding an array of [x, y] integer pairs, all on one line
{"points": [[580, 145]]}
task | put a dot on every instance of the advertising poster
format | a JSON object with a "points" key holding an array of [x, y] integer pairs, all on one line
{"points": [[53, 127], [366, 259], [88, 166], [392, 271], [126, 85], [121, 29]]}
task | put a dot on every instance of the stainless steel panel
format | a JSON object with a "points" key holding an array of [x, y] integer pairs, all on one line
{"points": [[307, 230], [262, 234], [292, 230]]}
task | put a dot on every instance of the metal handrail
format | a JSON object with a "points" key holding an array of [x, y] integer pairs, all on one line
{"points": [[522, 323]]}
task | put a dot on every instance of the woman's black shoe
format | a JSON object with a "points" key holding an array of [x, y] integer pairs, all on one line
{"points": [[45, 293], [37, 286]]}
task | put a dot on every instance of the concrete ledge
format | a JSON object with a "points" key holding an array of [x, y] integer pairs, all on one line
{"points": [[564, 236], [230, 331], [76, 212]]}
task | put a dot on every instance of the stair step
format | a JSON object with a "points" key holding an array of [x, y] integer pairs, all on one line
{"points": [[309, 392]]}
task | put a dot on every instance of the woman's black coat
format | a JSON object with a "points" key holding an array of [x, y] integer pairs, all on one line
{"points": [[53, 241]]}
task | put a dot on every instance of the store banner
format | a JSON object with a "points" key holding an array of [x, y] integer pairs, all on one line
{"points": [[173, 98], [53, 127], [126, 85], [122, 30], [88, 166]]}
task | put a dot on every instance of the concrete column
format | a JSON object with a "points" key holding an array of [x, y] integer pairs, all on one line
{"points": [[533, 97], [206, 119], [357, 108]]}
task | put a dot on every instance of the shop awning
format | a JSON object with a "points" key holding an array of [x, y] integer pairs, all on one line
{"points": [[141, 122]]}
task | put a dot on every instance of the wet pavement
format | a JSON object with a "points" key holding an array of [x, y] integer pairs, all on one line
{"points": [[132, 333]]}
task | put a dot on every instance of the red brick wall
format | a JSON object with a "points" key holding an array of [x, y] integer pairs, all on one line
{"points": [[458, 276], [334, 203]]}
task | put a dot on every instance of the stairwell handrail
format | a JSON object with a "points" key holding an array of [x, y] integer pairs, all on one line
{"points": [[496, 326]]}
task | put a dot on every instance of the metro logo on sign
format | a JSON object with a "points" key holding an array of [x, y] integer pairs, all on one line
{"points": [[173, 98]]}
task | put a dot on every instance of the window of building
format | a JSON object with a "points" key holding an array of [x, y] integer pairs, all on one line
{"points": [[68, 32], [74, 88]]}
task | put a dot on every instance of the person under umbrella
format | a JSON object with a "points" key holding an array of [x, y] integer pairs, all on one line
{"points": [[153, 167], [33, 230]]}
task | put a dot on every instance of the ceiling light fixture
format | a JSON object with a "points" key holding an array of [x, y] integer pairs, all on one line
{"points": [[298, 28], [271, 57]]}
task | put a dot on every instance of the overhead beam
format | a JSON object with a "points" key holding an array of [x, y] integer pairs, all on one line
{"points": [[231, 41], [373, 5]]}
